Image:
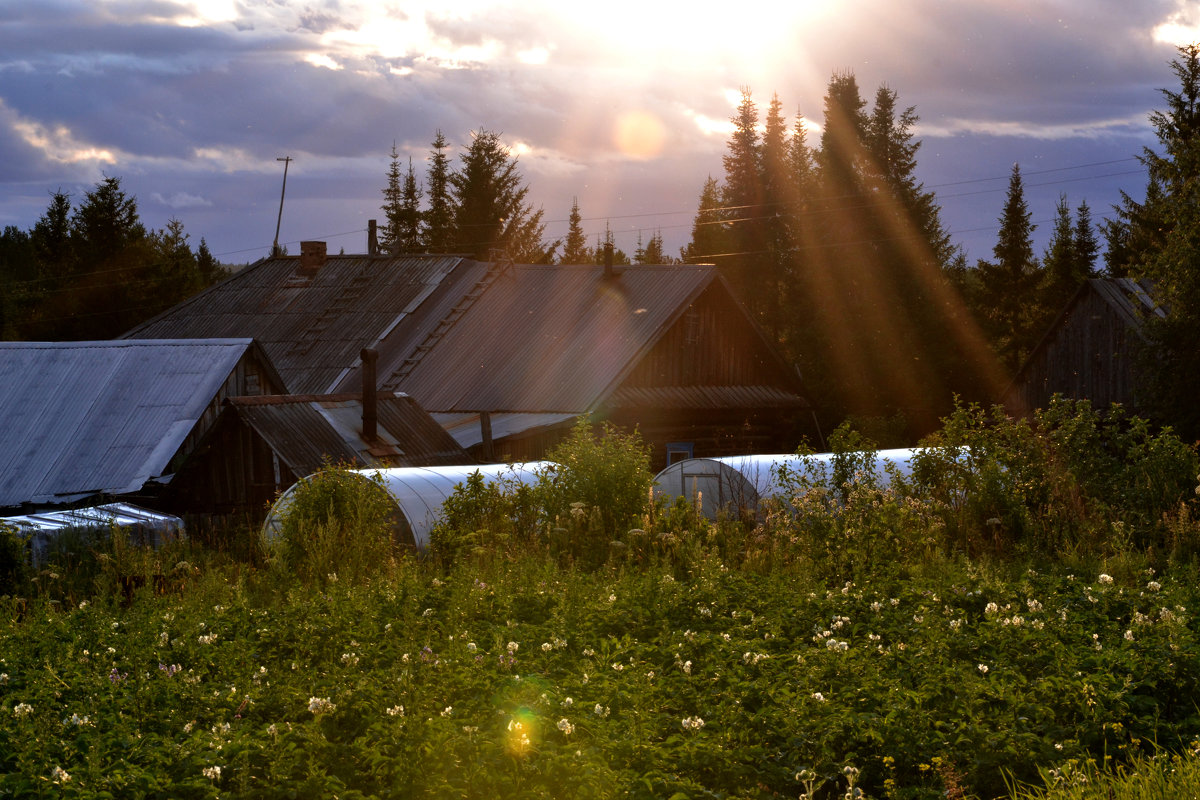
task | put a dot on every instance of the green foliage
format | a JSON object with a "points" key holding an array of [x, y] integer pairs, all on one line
{"points": [[14, 560], [1145, 777], [599, 488], [336, 524], [485, 518]]}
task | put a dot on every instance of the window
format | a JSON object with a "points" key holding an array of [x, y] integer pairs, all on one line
{"points": [[678, 451]]}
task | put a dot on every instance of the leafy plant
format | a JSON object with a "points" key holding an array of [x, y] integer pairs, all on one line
{"points": [[336, 524]]}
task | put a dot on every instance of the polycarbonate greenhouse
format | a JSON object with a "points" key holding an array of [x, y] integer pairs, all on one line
{"points": [[419, 493], [737, 484]]}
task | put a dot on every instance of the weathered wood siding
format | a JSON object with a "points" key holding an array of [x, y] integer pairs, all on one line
{"points": [[1087, 356]]}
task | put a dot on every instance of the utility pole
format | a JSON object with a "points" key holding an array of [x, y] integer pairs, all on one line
{"points": [[275, 247]]}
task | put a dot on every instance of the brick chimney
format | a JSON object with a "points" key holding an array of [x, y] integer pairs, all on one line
{"points": [[312, 258]]}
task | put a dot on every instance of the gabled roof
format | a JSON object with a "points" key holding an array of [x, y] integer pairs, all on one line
{"points": [[306, 430], [312, 322], [85, 418], [555, 339]]}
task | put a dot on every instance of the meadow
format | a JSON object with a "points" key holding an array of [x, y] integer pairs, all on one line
{"points": [[1017, 620]]}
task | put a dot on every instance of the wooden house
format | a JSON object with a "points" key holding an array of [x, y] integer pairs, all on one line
{"points": [[507, 356]]}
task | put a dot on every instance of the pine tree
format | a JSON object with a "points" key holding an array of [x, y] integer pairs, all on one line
{"points": [[392, 206], [1158, 240], [439, 216], [1087, 248], [653, 253], [576, 250], [742, 198], [1009, 283], [408, 234], [491, 216], [1066, 263], [708, 231]]}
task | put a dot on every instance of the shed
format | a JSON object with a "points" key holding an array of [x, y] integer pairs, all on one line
{"points": [[419, 494], [1088, 353], [82, 420], [737, 484]]}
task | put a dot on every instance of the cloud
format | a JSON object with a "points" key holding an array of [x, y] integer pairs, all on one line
{"points": [[180, 200]]}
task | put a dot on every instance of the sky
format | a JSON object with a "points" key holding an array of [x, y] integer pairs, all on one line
{"points": [[622, 105]]}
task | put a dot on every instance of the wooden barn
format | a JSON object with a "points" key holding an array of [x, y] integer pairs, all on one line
{"points": [[1088, 352]]}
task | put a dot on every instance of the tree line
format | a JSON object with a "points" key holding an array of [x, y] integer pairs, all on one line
{"points": [[834, 247], [93, 271]]}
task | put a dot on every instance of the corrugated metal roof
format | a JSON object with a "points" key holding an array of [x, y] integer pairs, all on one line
{"points": [[84, 418], [466, 430], [704, 397], [306, 430], [551, 338], [312, 328]]}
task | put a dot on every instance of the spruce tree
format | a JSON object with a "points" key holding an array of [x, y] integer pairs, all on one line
{"points": [[1158, 241], [491, 215], [1009, 283], [438, 220], [392, 206], [708, 231], [575, 250]]}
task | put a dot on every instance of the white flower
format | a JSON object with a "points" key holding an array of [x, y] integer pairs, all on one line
{"points": [[612, 598], [3, 678], [350, 659], [513, 647], [212, 773], [59, 775], [1154, 586], [983, 668], [396, 711], [991, 608], [618, 666], [568, 702], [447, 711], [207, 638], [1105, 578], [320, 705], [820, 698], [471, 648], [565, 726], [547, 647], [687, 667], [601, 711], [1129, 636], [22, 710], [692, 723]]}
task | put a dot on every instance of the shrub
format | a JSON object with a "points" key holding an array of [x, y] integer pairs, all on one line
{"points": [[336, 522]]}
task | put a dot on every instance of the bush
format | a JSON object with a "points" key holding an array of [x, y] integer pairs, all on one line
{"points": [[337, 524]]}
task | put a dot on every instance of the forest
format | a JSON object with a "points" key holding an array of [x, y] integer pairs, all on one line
{"points": [[834, 246]]}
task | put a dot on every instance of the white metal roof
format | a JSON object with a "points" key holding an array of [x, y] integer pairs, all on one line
{"points": [[86, 418]]}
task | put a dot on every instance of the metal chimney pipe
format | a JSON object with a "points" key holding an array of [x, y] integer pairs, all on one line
{"points": [[608, 259], [370, 402], [372, 239]]}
